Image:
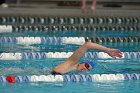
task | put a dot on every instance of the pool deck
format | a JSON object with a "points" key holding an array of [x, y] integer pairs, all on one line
{"points": [[69, 11]]}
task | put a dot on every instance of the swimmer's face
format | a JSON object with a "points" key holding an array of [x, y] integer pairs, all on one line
{"points": [[84, 67]]}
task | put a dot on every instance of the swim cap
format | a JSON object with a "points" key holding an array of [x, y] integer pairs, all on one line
{"points": [[89, 62]]}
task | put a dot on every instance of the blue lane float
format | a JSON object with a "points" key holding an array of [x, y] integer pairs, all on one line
{"points": [[73, 78], [45, 55]]}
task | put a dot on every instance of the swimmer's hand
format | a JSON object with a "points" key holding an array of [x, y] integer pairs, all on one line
{"points": [[114, 53]]}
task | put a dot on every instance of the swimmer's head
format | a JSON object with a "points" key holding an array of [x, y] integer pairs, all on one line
{"points": [[86, 65]]}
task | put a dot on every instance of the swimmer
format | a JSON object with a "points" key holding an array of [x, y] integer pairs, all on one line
{"points": [[73, 64]]}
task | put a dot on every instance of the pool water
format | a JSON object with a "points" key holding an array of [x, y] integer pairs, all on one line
{"points": [[102, 67], [43, 66]]}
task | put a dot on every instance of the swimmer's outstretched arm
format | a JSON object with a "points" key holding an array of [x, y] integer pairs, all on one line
{"points": [[78, 54]]}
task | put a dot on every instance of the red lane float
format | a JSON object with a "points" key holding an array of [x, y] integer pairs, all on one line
{"points": [[11, 79]]}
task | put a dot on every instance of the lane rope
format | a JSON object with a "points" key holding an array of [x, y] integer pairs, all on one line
{"points": [[69, 78], [66, 40], [45, 55], [69, 20], [69, 28]]}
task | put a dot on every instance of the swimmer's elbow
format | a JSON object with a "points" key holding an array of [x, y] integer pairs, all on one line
{"points": [[88, 44]]}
